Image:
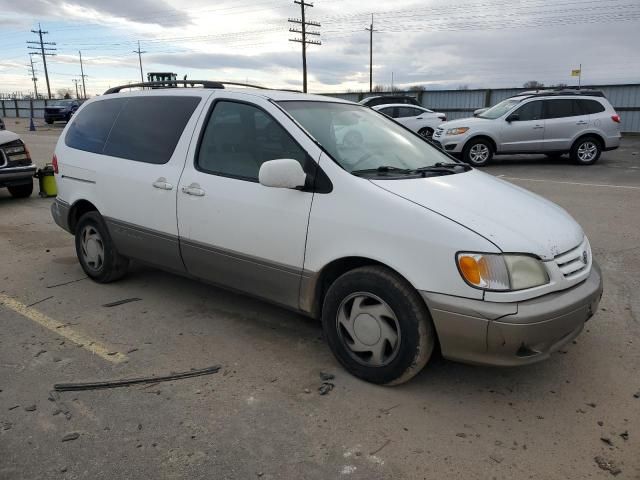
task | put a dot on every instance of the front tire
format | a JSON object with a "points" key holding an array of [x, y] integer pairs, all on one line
{"points": [[586, 151], [426, 132], [377, 325], [478, 152], [21, 191], [96, 252]]}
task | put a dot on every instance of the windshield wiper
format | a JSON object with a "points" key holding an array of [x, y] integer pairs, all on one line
{"points": [[383, 169], [443, 168]]}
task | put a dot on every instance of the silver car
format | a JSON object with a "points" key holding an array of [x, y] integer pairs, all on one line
{"points": [[581, 123]]}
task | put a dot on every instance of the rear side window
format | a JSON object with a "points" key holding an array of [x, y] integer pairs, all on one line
{"points": [[143, 129], [405, 112], [239, 138], [563, 107], [148, 128], [90, 128], [591, 106]]}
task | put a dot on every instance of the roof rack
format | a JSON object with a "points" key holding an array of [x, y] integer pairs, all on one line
{"points": [[184, 83], [561, 91]]}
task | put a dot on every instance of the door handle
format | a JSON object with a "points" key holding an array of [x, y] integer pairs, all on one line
{"points": [[193, 189], [419, 118], [582, 122], [538, 127], [162, 184]]}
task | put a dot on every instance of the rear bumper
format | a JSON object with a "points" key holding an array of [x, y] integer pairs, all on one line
{"points": [[16, 176], [56, 116], [60, 214], [511, 334]]}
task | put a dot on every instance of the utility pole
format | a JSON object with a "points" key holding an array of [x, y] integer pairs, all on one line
{"points": [[75, 80], [33, 77], [44, 53], [303, 40], [371, 30], [84, 88], [140, 52]]}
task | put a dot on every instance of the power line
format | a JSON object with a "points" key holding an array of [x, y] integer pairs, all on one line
{"points": [[303, 40], [44, 53], [140, 52]]}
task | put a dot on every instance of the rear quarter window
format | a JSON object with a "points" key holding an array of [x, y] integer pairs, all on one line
{"points": [[148, 128], [591, 106], [91, 126], [142, 129]]}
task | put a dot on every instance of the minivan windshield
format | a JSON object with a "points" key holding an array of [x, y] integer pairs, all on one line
{"points": [[500, 109], [358, 138]]}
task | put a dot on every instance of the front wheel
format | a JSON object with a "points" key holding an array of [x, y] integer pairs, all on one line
{"points": [[586, 151], [426, 132], [377, 325], [96, 252], [478, 152], [21, 191]]}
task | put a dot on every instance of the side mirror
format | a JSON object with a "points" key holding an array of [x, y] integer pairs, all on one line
{"points": [[514, 117], [282, 173]]}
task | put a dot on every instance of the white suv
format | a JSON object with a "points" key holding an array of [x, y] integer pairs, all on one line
{"points": [[581, 123], [331, 209]]}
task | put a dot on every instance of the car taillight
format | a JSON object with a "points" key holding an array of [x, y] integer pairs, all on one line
{"points": [[54, 162], [616, 118]]}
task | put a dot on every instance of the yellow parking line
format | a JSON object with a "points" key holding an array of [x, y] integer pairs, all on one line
{"points": [[61, 329]]}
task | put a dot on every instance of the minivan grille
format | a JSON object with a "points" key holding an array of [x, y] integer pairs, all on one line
{"points": [[575, 260]]}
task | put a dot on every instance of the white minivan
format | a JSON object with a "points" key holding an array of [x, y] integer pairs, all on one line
{"points": [[331, 209]]}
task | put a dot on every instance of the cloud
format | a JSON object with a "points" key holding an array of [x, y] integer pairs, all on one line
{"points": [[156, 12]]}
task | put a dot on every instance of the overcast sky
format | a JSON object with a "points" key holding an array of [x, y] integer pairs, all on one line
{"points": [[435, 43]]}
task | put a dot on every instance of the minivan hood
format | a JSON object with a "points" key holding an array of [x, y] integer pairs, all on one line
{"points": [[514, 219]]}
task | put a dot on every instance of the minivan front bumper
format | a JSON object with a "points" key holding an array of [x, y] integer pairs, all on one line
{"points": [[511, 334]]}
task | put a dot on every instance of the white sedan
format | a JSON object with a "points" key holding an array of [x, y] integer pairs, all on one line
{"points": [[421, 120]]}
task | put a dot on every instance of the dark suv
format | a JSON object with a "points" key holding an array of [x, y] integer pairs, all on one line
{"points": [[60, 110]]}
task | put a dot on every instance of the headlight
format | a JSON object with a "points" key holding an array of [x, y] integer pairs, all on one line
{"points": [[499, 272], [457, 131]]}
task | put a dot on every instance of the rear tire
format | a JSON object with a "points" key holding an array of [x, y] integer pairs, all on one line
{"points": [[21, 191], [96, 252], [586, 151], [377, 325], [49, 122], [477, 152]]}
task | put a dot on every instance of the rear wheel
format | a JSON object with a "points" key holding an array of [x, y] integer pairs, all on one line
{"points": [[586, 151], [478, 152], [21, 191], [377, 325], [96, 252]]}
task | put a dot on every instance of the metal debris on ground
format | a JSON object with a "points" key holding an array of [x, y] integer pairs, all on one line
{"points": [[325, 388], [377, 450], [30, 408], [325, 376], [607, 465], [625, 435], [70, 436], [121, 302], [67, 283], [40, 301], [66, 387], [607, 440]]}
